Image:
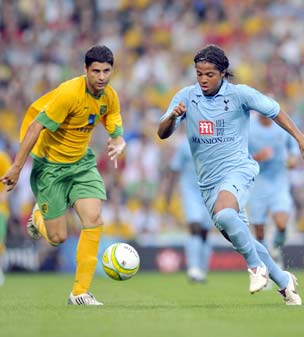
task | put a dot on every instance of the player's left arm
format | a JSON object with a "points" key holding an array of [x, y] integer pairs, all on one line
{"points": [[285, 122], [112, 122]]}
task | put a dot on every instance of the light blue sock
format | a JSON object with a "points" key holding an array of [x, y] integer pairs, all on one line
{"points": [[279, 276], [239, 234], [193, 248], [206, 251], [279, 238]]}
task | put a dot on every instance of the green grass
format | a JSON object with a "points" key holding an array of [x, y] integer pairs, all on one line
{"points": [[149, 305]]}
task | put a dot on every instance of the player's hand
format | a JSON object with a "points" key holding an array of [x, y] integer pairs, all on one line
{"points": [[178, 110], [11, 177], [116, 147], [265, 154]]}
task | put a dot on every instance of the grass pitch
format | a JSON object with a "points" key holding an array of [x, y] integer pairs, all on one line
{"points": [[149, 305]]}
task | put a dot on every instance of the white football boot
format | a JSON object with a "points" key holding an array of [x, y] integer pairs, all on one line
{"points": [[196, 275], [258, 279], [290, 294], [83, 299], [31, 226]]}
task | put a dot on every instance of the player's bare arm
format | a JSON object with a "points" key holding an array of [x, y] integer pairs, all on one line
{"points": [[11, 177], [166, 127], [287, 124]]}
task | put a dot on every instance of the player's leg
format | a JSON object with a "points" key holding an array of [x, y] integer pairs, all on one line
{"points": [[286, 281], [89, 212], [50, 184], [206, 225], [232, 196], [280, 219], [259, 230], [281, 207], [3, 229], [258, 207], [54, 231], [85, 195], [193, 252], [197, 248]]}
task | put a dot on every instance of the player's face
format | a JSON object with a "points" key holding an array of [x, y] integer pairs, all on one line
{"points": [[209, 77], [98, 76]]}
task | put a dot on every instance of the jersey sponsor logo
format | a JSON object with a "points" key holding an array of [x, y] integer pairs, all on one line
{"points": [[214, 140], [220, 127], [206, 127]]}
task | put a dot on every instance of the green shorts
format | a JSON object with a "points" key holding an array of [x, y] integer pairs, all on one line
{"points": [[58, 186]]}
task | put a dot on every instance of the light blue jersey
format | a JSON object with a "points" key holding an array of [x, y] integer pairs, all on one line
{"points": [[276, 138], [193, 204], [271, 192], [218, 126], [218, 130]]}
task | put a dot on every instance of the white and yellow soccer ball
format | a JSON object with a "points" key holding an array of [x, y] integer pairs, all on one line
{"points": [[120, 261]]}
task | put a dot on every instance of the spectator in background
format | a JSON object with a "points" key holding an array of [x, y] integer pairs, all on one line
{"points": [[216, 113], [5, 163], [197, 247], [276, 152]]}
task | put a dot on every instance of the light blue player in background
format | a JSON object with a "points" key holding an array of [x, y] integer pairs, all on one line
{"points": [[276, 152], [216, 114], [197, 246]]}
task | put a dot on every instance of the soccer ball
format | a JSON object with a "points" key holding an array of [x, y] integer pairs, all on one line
{"points": [[120, 261]]}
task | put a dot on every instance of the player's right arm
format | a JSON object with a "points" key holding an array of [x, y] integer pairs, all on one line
{"points": [[167, 125], [31, 136], [175, 112]]}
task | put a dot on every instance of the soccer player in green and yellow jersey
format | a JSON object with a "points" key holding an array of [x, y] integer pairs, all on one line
{"points": [[56, 130], [5, 163]]}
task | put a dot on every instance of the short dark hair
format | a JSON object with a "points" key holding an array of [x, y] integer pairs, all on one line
{"points": [[214, 54], [99, 54]]}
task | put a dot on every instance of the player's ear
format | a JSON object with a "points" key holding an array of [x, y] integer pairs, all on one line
{"points": [[85, 69]]}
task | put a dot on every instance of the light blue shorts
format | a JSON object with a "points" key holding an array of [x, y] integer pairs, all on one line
{"points": [[194, 207], [239, 184], [269, 196]]}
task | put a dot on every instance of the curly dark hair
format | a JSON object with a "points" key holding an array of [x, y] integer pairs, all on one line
{"points": [[214, 54], [99, 54]]}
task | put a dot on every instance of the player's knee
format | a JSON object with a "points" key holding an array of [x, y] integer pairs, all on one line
{"points": [[57, 238], [94, 220]]}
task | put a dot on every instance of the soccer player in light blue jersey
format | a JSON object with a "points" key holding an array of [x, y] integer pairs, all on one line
{"points": [[216, 113], [276, 151], [197, 246]]}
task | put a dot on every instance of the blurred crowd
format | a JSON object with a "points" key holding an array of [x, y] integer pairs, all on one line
{"points": [[42, 42]]}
